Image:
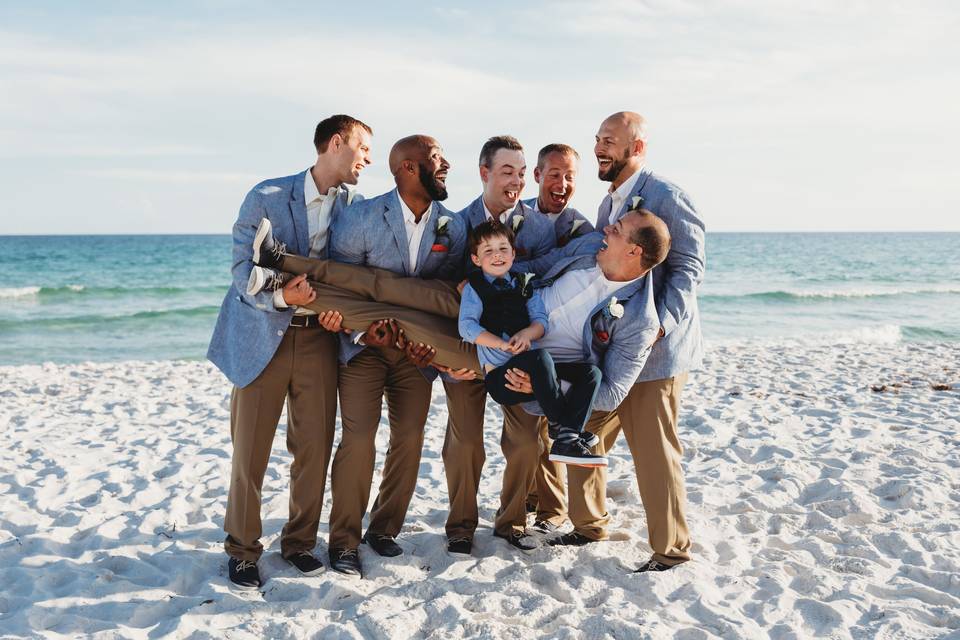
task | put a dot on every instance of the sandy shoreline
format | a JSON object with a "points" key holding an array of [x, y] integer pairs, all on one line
{"points": [[817, 506]]}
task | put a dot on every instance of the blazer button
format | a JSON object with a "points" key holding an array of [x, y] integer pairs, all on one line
{"points": [[279, 333]]}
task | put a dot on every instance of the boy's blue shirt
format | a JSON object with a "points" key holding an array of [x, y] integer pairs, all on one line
{"points": [[471, 308]]}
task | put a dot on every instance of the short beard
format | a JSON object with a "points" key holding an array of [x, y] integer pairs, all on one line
{"points": [[434, 188], [615, 168]]}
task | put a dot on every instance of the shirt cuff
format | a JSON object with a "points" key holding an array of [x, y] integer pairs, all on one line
{"points": [[278, 301], [356, 337]]}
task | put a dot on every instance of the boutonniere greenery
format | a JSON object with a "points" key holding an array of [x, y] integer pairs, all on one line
{"points": [[517, 224], [636, 202], [613, 309], [442, 222]]}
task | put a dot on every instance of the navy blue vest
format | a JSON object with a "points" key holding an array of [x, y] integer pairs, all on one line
{"points": [[504, 311]]}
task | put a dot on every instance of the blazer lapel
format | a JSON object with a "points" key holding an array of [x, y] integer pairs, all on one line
{"points": [[564, 223], [637, 188], [298, 211], [394, 218], [475, 215]]}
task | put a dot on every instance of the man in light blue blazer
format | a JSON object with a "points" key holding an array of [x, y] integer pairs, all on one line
{"points": [[409, 232], [272, 351], [502, 172], [649, 413], [556, 173]]}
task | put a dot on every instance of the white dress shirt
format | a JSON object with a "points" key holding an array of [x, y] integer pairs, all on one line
{"points": [[552, 217], [501, 218], [619, 195], [319, 208], [569, 302], [414, 230]]}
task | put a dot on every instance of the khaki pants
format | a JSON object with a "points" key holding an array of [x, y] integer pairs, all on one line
{"points": [[648, 418], [371, 375], [549, 491], [303, 372]]}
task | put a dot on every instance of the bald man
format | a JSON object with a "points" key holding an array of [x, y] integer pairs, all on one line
{"points": [[649, 413], [408, 232]]}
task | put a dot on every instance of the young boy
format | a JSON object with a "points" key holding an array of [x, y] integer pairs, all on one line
{"points": [[502, 314]]}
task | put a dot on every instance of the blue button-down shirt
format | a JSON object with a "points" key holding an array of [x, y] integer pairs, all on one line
{"points": [[471, 308]]}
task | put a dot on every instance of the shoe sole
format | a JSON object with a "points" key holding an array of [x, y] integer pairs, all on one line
{"points": [[578, 462], [308, 574], [263, 230], [513, 546], [350, 574], [256, 281], [242, 587]]}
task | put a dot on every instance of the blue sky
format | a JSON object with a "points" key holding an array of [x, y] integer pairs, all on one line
{"points": [[121, 117]]}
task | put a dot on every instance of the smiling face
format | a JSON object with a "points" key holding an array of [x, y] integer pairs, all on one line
{"points": [[558, 180], [503, 180], [433, 170], [619, 148], [617, 246], [352, 153], [494, 256]]}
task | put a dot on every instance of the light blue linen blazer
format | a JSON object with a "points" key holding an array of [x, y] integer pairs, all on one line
{"points": [[563, 225]]}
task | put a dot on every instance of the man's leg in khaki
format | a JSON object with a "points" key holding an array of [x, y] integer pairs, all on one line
{"points": [[521, 446], [463, 454], [311, 421], [648, 416], [550, 483], [587, 488], [408, 403], [361, 384], [441, 333], [438, 297], [254, 412]]}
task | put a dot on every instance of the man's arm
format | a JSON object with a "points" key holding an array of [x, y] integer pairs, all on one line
{"points": [[584, 245], [252, 211], [622, 364], [683, 269]]}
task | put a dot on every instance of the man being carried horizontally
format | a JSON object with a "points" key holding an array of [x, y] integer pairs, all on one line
{"points": [[502, 314]]}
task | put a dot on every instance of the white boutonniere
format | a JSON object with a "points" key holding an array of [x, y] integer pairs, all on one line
{"points": [[517, 223], [636, 202], [350, 195], [442, 223], [613, 309], [525, 280]]}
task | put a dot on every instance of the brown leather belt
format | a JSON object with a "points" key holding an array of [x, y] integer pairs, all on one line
{"points": [[305, 322]]}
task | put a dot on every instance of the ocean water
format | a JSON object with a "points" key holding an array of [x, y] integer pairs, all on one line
{"points": [[79, 298]]}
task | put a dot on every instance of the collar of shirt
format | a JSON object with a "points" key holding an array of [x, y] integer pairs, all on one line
{"points": [[310, 192], [408, 216], [624, 189], [502, 218], [552, 217], [510, 279]]}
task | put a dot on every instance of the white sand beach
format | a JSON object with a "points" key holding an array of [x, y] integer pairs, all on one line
{"points": [[819, 508]]}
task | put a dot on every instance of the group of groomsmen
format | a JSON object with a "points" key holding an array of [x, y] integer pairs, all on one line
{"points": [[275, 351]]}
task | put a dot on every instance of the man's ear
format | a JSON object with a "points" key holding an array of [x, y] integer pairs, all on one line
{"points": [[638, 147], [536, 175], [484, 173], [475, 258], [410, 166]]}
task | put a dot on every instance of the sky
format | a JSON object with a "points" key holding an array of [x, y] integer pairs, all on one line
{"points": [[122, 117]]}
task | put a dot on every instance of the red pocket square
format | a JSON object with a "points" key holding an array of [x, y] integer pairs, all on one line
{"points": [[442, 248], [603, 336]]}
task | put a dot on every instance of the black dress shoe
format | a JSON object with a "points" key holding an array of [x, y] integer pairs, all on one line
{"points": [[384, 545], [544, 526], [531, 507], [653, 565], [306, 563], [346, 561], [572, 539], [267, 251], [461, 546], [244, 574], [519, 540]]}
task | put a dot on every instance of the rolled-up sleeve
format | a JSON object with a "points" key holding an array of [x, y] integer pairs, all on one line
{"points": [[471, 308]]}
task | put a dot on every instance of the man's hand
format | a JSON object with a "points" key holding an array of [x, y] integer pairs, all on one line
{"points": [[420, 355], [382, 333], [298, 292], [330, 320], [659, 335], [457, 374], [518, 380]]}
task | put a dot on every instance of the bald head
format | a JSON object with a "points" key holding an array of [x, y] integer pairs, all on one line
{"points": [[419, 168], [415, 148], [621, 146]]}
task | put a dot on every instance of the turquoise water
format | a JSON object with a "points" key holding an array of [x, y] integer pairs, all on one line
{"points": [[77, 298]]}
